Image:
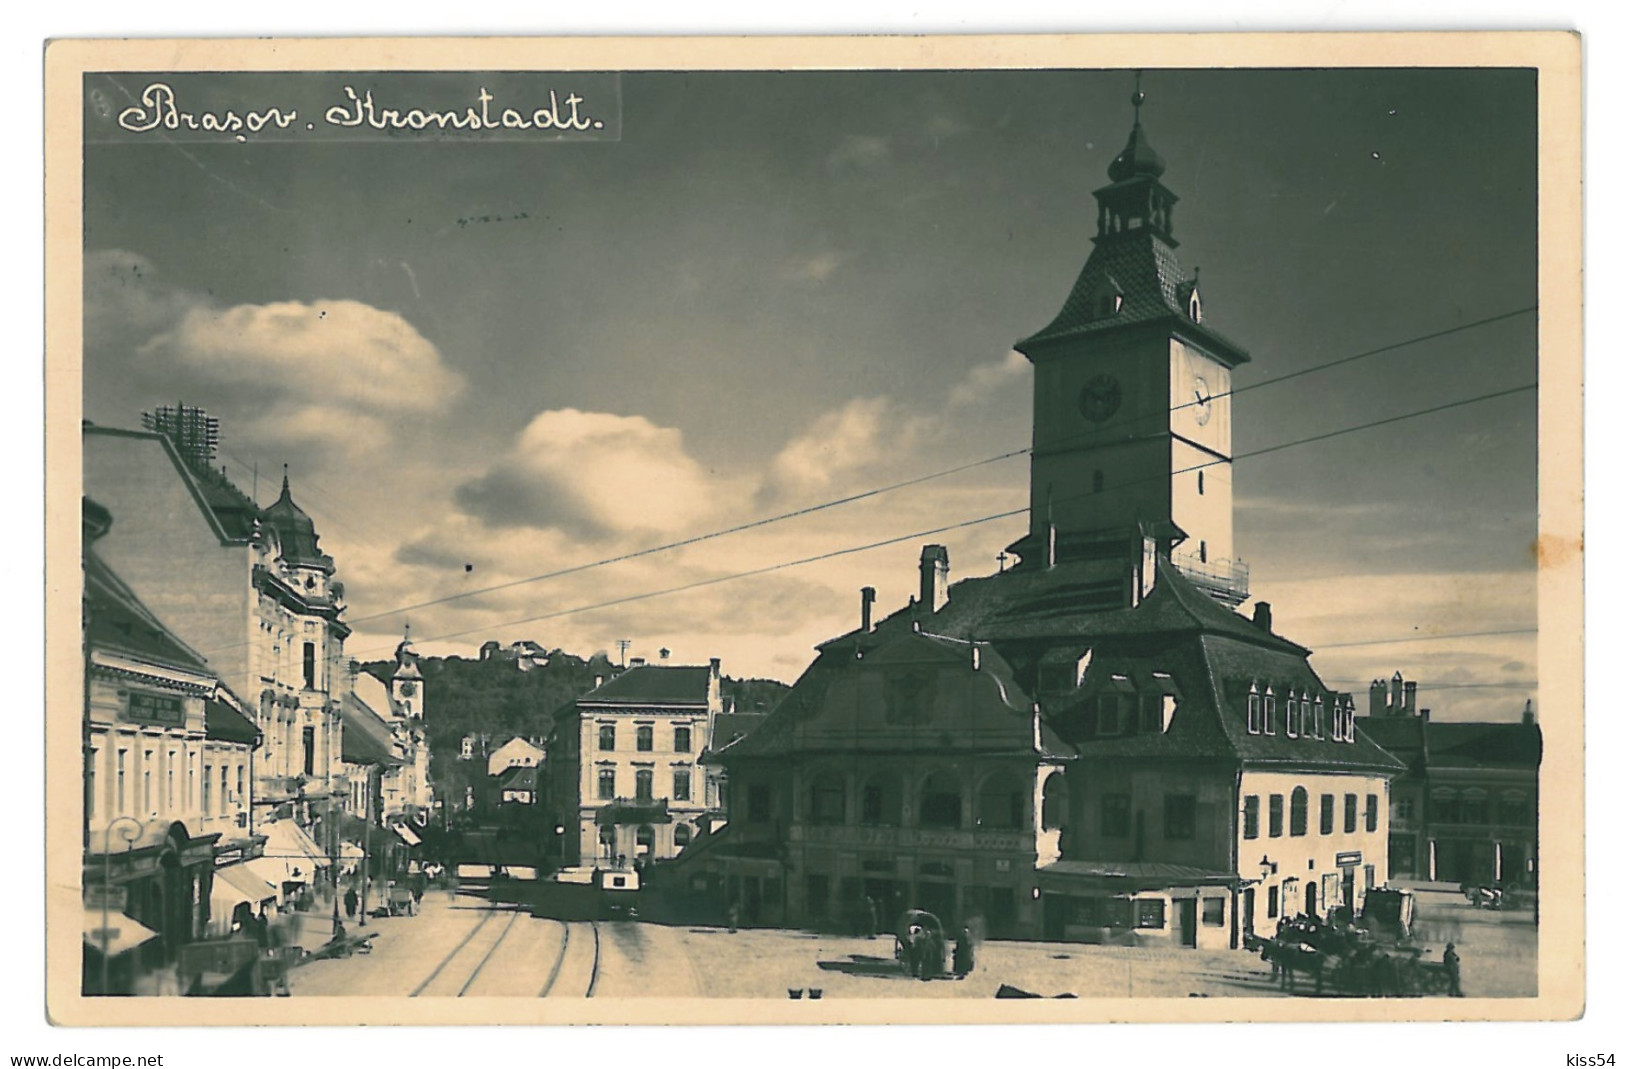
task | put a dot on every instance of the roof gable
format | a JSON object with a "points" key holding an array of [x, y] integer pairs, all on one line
{"points": [[648, 684]]}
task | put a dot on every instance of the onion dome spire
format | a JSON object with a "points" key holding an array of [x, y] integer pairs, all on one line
{"points": [[1138, 158]]}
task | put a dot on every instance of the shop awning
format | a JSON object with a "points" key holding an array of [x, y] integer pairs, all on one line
{"points": [[1127, 876], [408, 836], [120, 934], [235, 885], [246, 885], [273, 871], [287, 842]]}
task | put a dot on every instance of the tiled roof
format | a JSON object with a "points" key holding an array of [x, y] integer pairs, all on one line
{"points": [[726, 727], [518, 778], [907, 693], [649, 684], [1399, 735], [1140, 267], [225, 724], [367, 740], [1040, 603], [119, 622], [1483, 745], [295, 530]]}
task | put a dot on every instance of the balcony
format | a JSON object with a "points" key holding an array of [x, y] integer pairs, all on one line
{"points": [[633, 811], [1228, 581]]}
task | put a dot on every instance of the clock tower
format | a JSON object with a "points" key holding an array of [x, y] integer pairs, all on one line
{"points": [[1131, 406], [406, 685]]}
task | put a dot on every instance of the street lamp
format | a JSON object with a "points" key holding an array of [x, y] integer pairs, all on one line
{"points": [[130, 830]]}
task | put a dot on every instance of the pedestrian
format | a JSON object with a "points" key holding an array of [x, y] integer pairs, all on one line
{"points": [[871, 919], [912, 956], [262, 929], [931, 948], [1452, 968], [351, 901], [964, 954]]}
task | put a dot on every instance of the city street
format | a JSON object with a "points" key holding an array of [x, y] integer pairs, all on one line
{"points": [[465, 945]]}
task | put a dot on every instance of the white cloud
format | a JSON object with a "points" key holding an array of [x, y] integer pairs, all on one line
{"points": [[837, 444], [985, 379], [596, 475], [322, 352], [292, 377]]}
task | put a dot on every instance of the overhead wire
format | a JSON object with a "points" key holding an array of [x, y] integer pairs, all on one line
{"points": [[712, 581], [917, 480]]}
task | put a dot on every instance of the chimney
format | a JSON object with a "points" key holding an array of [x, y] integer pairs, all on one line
{"points": [[638, 662], [1262, 618], [1410, 699], [716, 668], [1396, 694], [1379, 698], [868, 595], [597, 681], [1529, 710], [1426, 714], [934, 577]]}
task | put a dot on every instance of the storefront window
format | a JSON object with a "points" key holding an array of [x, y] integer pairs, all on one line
{"points": [[1213, 912], [1150, 913]]}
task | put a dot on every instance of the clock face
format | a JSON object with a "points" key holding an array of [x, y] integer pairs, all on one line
{"points": [[409, 688], [1203, 402], [1100, 398]]}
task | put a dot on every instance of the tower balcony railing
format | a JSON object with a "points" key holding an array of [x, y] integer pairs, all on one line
{"points": [[1228, 580]]}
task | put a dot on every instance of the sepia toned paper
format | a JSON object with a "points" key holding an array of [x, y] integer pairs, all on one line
{"points": [[261, 82]]}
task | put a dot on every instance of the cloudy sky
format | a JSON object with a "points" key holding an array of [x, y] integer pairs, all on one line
{"points": [[766, 290]]}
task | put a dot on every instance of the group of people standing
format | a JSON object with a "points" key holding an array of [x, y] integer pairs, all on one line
{"points": [[923, 949]]}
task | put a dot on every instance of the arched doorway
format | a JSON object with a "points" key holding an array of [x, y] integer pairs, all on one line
{"points": [[645, 847], [1309, 903]]}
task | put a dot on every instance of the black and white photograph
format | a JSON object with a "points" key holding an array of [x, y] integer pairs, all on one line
{"points": [[565, 532]]}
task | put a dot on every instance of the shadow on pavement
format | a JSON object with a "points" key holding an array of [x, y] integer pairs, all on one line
{"points": [[864, 965]]}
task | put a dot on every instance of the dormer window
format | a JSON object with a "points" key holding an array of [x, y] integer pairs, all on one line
{"points": [[1193, 306], [1106, 300], [1320, 717], [1255, 711], [1269, 712], [1294, 716]]}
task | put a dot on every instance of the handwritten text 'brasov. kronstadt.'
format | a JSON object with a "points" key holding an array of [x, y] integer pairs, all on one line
{"points": [[159, 110]]}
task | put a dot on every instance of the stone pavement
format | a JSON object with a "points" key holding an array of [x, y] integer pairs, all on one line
{"points": [[466, 945]]}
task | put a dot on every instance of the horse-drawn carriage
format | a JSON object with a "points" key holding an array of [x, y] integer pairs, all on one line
{"points": [[921, 944], [1375, 957]]}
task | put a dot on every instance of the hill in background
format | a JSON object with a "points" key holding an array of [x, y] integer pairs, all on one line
{"points": [[495, 699]]}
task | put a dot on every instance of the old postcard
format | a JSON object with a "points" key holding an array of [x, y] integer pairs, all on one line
{"points": [[804, 531]]}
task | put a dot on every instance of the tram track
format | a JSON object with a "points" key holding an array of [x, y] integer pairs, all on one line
{"points": [[512, 917], [564, 954], [564, 948], [417, 991]]}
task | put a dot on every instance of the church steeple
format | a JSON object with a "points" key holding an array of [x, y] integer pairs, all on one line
{"points": [[1136, 200]]}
